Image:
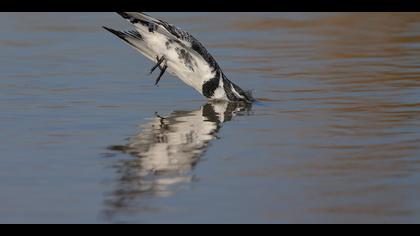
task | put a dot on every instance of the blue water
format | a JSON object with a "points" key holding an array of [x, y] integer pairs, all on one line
{"points": [[87, 138]]}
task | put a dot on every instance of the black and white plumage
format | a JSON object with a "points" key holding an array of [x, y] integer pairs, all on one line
{"points": [[182, 55], [167, 148]]}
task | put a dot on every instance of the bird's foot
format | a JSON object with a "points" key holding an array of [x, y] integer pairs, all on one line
{"points": [[162, 71], [158, 63]]}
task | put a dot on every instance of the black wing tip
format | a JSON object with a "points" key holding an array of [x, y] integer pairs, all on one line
{"points": [[124, 35], [115, 32], [110, 30]]}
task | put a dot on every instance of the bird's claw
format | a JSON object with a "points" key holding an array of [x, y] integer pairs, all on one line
{"points": [[162, 68], [162, 71], [158, 63]]}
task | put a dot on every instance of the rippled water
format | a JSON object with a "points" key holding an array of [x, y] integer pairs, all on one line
{"points": [[86, 137]]}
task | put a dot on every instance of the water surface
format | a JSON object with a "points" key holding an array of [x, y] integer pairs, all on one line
{"points": [[87, 138]]}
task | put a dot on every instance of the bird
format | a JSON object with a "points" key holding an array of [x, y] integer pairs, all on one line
{"points": [[181, 54], [167, 148]]}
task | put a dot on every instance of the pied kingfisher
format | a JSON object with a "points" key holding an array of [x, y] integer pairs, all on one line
{"points": [[182, 55]]}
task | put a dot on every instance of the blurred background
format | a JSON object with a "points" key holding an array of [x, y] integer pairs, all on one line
{"points": [[335, 137]]}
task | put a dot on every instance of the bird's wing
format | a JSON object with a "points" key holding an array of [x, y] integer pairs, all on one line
{"points": [[134, 39], [139, 19]]}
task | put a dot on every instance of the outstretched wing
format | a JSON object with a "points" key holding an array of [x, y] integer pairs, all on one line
{"points": [[139, 20]]}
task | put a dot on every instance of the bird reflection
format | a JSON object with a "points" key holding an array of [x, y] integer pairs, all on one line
{"points": [[166, 150]]}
